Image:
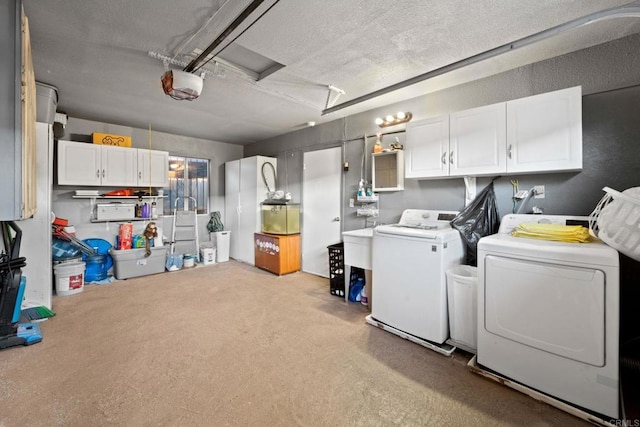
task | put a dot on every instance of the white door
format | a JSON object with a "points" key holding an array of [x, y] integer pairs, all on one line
{"points": [[153, 168], [78, 163], [427, 148], [119, 166], [477, 144], [321, 195]]}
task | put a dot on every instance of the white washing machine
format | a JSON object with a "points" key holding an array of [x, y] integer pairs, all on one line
{"points": [[409, 261], [548, 314]]}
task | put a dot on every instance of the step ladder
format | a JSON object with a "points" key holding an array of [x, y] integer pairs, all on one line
{"points": [[184, 239]]}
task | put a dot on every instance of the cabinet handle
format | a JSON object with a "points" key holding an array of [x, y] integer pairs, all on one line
{"points": [[444, 158], [98, 173], [451, 158], [140, 174], [103, 173], [509, 151], [336, 219]]}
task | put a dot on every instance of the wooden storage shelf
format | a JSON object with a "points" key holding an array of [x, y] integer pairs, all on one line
{"points": [[278, 254]]}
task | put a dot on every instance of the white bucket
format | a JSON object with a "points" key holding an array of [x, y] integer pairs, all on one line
{"points": [[69, 278], [189, 261]]}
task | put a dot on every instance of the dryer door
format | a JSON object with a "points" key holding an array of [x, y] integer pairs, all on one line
{"points": [[555, 308]]}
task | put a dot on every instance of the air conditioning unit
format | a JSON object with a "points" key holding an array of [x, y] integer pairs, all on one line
{"points": [[181, 85]]}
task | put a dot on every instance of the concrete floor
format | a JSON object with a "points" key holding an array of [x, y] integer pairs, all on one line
{"points": [[229, 344]]}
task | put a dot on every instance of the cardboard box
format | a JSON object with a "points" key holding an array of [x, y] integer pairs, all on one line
{"points": [[132, 262], [109, 139]]}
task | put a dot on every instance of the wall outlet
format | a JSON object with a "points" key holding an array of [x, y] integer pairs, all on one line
{"points": [[352, 203], [538, 192]]}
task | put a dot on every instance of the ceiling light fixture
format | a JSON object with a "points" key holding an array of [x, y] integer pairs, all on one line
{"points": [[392, 120]]}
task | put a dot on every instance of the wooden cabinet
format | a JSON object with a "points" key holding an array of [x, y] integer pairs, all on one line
{"points": [[387, 171], [105, 165], [544, 132], [277, 253]]}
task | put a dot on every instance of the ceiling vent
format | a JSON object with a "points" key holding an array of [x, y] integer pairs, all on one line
{"points": [[181, 85]]}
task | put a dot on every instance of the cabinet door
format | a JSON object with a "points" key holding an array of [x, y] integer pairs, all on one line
{"points": [[544, 132], [153, 168], [119, 166], [478, 141], [426, 148], [78, 163]]}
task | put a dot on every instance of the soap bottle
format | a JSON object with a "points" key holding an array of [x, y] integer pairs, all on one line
{"points": [[154, 210], [377, 147], [364, 299]]}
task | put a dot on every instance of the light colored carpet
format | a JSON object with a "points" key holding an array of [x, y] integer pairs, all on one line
{"points": [[229, 344]]}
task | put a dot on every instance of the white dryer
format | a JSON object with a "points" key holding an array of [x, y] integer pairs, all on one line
{"points": [[409, 262], [548, 314]]}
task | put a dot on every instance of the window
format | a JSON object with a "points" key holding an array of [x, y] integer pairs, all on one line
{"points": [[188, 177]]}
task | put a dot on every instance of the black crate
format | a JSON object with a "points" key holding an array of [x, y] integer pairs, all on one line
{"points": [[336, 269]]}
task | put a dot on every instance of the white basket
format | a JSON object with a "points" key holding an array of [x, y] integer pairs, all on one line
{"points": [[616, 220]]}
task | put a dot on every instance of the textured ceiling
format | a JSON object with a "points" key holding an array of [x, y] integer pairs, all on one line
{"points": [[96, 53]]}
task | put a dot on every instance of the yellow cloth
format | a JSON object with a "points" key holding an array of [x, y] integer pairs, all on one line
{"points": [[555, 232]]}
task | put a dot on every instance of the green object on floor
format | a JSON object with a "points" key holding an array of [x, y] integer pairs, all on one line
{"points": [[36, 313]]}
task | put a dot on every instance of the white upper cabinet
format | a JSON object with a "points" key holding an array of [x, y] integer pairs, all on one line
{"points": [[541, 133], [85, 164], [544, 132], [119, 165], [477, 143], [153, 168], [79, 164], [426, 148]]}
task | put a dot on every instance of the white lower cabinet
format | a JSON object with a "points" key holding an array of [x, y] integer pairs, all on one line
{"points": [[85, 164], [539, 133]]}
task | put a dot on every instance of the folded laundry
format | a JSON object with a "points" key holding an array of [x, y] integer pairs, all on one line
{"points": [[554, 232]]}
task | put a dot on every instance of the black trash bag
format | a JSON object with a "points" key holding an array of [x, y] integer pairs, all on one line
{"points": [[477, 220]]}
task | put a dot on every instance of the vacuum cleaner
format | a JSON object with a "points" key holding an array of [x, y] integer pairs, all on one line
{"points": [[12, 286]]}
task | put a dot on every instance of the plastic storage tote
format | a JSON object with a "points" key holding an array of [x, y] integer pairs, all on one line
{"points": [[462, 294], [132, 262]]}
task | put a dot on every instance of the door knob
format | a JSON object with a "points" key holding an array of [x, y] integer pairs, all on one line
{"points": [[336, 219]]}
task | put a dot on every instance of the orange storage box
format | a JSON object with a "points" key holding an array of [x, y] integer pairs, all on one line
{"points": [[109, 139]]}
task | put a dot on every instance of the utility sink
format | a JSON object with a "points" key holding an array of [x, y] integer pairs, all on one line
{"points": [[357, 253], [357, 247]]}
